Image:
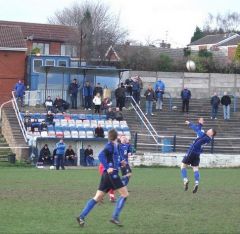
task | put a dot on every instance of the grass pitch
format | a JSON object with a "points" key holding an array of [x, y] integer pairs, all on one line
{"points": [[47, 201]]}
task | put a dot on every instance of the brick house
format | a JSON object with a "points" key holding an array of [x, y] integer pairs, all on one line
{"points": [[225, 43], [12, 59]]}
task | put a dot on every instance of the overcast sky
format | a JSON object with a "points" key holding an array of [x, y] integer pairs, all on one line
{"points": [[174, 20]]}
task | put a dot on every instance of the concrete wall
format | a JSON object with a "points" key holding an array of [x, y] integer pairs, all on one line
{"points": [[173, 159], [202, 85]]}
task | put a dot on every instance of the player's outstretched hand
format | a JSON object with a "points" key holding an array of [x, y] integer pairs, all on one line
{"points": [[187, 122], [110, 170]]}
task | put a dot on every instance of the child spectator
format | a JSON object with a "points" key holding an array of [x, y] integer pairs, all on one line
{"points": [[49, 104], [97, 102]]}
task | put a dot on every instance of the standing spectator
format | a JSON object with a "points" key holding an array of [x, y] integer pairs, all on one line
{"points": [[150, 97], [98, 89], [106, 103], [226, 102], [118, 115], [128, 85], [45, 155], [120, 96], [60, 104], [136, 90], [19, 91], [97, 103], [88, 156], [60, 149], [215, 101], [49, 118], [70, 156], [159, 88], [73, 92], [186, 96], [99, 132], [110, 114], [87, 94], [49, 104]]}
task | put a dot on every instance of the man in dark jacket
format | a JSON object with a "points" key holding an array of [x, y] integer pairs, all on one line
{"points": [[49, 118], [226, 102], [98, 89], [186, 96], [60, 104], [88, 96], [150, 97], [120, 96], [70, 156], [45, 155], [215, 101], [99, 132], [136, 90], [110, 114], [118, 115], [73, 92]]}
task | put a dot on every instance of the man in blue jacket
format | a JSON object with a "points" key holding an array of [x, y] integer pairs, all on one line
{"points": [[19, 91], [192, 157], [60, 150], [159, 89], [73, 92], [186, 96], [88, 96]]}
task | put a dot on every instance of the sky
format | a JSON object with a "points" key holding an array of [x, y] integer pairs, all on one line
{"points": [[146, 20]]}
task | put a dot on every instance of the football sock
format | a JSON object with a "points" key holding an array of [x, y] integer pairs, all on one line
{"points": [[119, 205], [184, 174], [125, 180], [196, 176], [88, 207]]}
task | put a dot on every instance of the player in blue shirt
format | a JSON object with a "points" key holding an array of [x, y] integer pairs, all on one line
{"points": [[110, 179], [125, 150], [192, 157], [196, 127]]}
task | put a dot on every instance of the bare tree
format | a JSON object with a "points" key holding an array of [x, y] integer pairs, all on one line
{"points": [[96, 27]]}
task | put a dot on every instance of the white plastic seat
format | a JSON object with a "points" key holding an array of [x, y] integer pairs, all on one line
{"points": [[44, 134], [82, 134], [67, 134], [86, 123], [64, 122], [94, 123], [57, 122], [102, 122], [115, 123], [71, 123], [108, 124], [79, 123], [74, 134]]}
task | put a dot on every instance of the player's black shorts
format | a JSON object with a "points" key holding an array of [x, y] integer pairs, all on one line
{"points": [[192, 159], [126, 170], [110, 181]]}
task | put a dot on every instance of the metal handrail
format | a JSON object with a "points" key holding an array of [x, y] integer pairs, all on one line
{"points": [[170, 100], [1, 107], [17, 112]]}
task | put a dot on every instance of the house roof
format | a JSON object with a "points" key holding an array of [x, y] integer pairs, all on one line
{"points": [[234, 41], [11, 37], [43, 32], [212, 39]]}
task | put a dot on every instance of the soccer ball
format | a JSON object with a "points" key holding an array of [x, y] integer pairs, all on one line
{"points": [[191, 66], [51, 167]]}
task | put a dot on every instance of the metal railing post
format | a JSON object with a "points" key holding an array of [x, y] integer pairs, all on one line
{"points": [[212, 146], [174, 142], [135, 142]]}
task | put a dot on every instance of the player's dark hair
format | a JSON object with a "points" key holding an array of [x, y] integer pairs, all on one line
{"points": [[112, 135], [214, 132]]}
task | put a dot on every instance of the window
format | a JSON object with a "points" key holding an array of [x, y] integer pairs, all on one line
{"points": [[50, 62], [44, 47], [37, 63], [69, 50], [62, 63]]}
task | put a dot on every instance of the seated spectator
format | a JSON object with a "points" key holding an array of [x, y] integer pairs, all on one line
{"points": [[99, 132], [110, 114], [70, 156], [28, 125], [45, 155], [60, 104], [106, 103], [88, 156], [118, 115], [26, 116], [97, 103], [35, 126], [43, 126], [49, 118], [49, 104]]}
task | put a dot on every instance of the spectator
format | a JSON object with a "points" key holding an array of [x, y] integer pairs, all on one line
{"points": [[73, 92], [136, 90], [106, 103], [19, 91], [60, 105], [60, 149], [70, 156], [110, 114], [98, 89], [45, 155], [97, 103], [159, 89], [186, 96], [118, 115], [99, 132], [128, 85], [215, 101], [226, 102], [140, 84], [120, 96], [49, 118], [49, 104], [88, 155], [87, 94], [35, 126], [150, 97], [43, 126], [28, 125]]}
